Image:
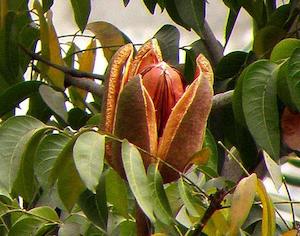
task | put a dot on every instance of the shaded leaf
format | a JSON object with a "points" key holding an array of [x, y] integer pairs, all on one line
{"points": [[231, 65], [116, 193], [10, 98], [274, 171], [94, 205], [69, 183], [78, 118], [268, 220], [162, 208], [55, 101], [293, 77], [46, 154], [192, 12], [110, 37], [259, 99], [47, 4], [25, 183], [65, 153], [265, 40], [241, 203], [81, 10], [12, 132], [88, 155], [168, 40], [137, 178]]}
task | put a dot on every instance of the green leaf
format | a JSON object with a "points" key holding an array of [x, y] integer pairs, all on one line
{"points": [[265, 40], [94, 205], [231, 65], [237, 101], [116, 193], [241, 202], [46, 154], [150, 4], [162, 208], [209, 142], [192, 12], [168, 40], [88, 155], [11, 133], [47, 4], [259, 99], [38, 108], [10, 98], [65, 154], [81, 10], [190, 202], [26, 227], [274, 171], [45, 212], [77, 118], [137, 178], [25, 184], [55, 101], [293, 77], [68, 229], [109, 36], [284, 49], [69, 183]]}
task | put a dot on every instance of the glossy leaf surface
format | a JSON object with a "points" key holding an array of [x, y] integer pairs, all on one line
{"points": [[259, 101]]}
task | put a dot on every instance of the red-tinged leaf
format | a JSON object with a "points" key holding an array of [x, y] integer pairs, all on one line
{"points": [[135, 121], [268, 220], [109, 36], [149, 53], [113, 85], [185, 129], [242, 201], [290, 126], [201, 157]]}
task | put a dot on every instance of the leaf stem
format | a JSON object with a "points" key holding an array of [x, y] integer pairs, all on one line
{"points": [[234, 158]]}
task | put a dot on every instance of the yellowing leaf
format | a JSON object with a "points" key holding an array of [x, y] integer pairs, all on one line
{"points": [[292, 232], [242, 201], [86, 63], [268, 220], [44, 34], [3, 12], [50, 48], [109, 36], [201, 157], [55, 76]]}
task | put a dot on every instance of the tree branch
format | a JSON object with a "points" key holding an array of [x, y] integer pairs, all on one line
{"points": [[66, 70], [76, 78], [213, 45]]}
